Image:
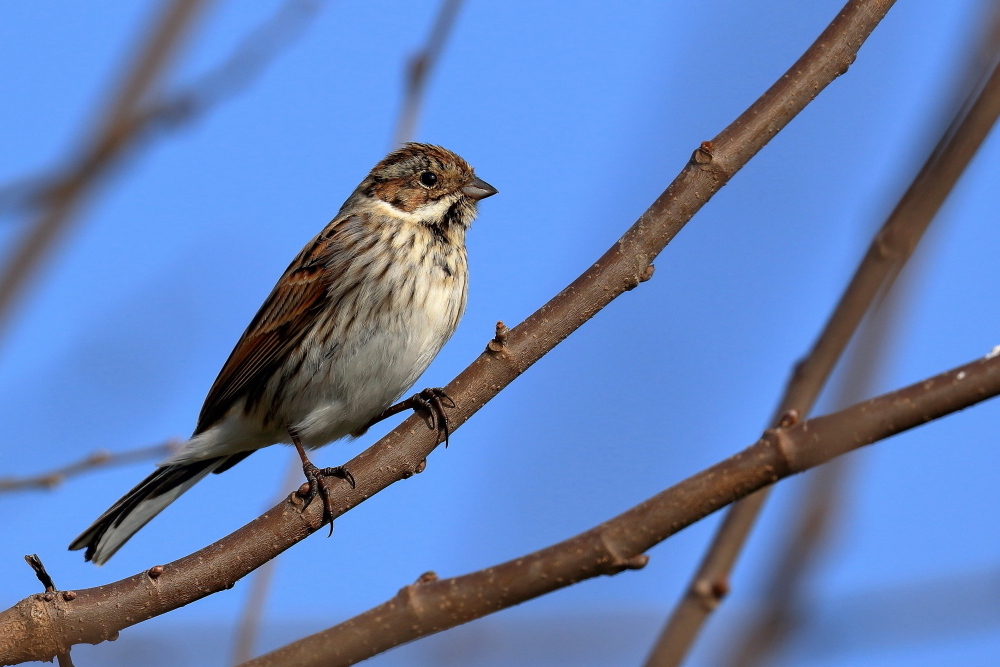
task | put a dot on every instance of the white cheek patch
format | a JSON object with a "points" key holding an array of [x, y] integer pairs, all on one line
{"points": [[432, 211]]}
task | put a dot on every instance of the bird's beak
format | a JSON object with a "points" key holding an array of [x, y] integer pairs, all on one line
{"points": [[479, 189]]}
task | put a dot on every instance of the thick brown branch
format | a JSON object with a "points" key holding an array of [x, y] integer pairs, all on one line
{"points": [[95, 461], [432, 605], [29, 633], [890, 249]]}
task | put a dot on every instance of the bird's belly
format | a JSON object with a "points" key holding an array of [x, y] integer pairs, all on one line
{"points": [[364, 374]]}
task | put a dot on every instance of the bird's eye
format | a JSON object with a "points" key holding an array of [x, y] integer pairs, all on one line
{"points": [[428, 179]]}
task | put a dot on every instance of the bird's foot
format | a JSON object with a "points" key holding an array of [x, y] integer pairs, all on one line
{"points": [[429, 404], [319, 481]]}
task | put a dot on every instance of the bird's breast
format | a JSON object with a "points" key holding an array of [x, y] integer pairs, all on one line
{"points": [[386, 320]]}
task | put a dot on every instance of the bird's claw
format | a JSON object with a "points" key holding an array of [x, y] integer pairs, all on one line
{"points": [[430, 404], [318, 482]]}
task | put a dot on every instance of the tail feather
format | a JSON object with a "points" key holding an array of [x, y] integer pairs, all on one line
{"points": [[137, 507]]}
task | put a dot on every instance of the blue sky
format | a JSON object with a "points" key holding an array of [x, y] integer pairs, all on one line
{"points": [[580, 115]]}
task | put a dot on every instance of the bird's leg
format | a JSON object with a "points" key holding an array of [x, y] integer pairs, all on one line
{"points": [[429, 404], [317, 478]]}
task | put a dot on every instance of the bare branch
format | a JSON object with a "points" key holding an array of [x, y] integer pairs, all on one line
{"points": [[890, 249], [35, 563], [247, 62], [432, 605], [419, 70], [91, 618], [107, 140], [133, 118], [260, 583], [815, 510], [94, 461]]}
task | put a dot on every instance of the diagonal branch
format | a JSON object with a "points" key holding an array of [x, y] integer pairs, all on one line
{"points": [[890, 249], [107, 140], [785, 606], [135, 116], [32, 631], [432, 605], [816, 508]]}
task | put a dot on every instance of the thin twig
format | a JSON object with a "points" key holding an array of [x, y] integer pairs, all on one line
{"points": [[890, 249], [419, 70], [35, 563], [25, 635], [94, 461], [60, 196], [242, 68], [109, 137], [432, 605]]}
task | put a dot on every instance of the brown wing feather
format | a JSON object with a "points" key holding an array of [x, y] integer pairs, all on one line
{"points": [[283, 320]]}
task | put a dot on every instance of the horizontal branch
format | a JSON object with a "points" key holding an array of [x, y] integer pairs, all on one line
{"points": [[432, 605], [32, 632], [93, 461]]}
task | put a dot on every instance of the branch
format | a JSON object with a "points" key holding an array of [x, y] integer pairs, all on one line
{"points": [[30, 632], [132, 118], [419, 70], [814, 510], [96, 460], [888, 252], [35, 563], [107, 140], [248, 626], [432, 605]]}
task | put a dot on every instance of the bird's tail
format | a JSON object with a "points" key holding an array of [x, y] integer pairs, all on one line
{"points": [[137, 507]]}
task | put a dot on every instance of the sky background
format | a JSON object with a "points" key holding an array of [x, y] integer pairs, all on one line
{"points": [[580, 115]]}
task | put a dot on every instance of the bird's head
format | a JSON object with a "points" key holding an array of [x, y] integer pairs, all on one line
{"points": [[427, 183]]}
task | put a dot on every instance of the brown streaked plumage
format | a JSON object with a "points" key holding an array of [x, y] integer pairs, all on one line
{"points": [[354, 320]]}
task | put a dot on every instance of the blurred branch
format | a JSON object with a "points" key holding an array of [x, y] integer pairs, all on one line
{"points": [[949, 606], [94, 461], [888, 252], [28, 633], [135, 117], [419, 70], [109, 137], [240, 70], [432, 605]]}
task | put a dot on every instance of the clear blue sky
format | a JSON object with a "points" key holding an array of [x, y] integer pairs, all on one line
{"points": [[580, 114]]}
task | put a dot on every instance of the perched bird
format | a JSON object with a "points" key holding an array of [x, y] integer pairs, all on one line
{"points": [[354, 320]]}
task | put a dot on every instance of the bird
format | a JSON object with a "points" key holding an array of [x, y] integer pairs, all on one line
{"points": [[351, 324]]}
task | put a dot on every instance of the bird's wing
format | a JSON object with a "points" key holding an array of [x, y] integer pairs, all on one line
{"points": [[287, 315]]}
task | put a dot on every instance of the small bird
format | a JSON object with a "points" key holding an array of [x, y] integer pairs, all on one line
{"points": [[354, 320]]}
